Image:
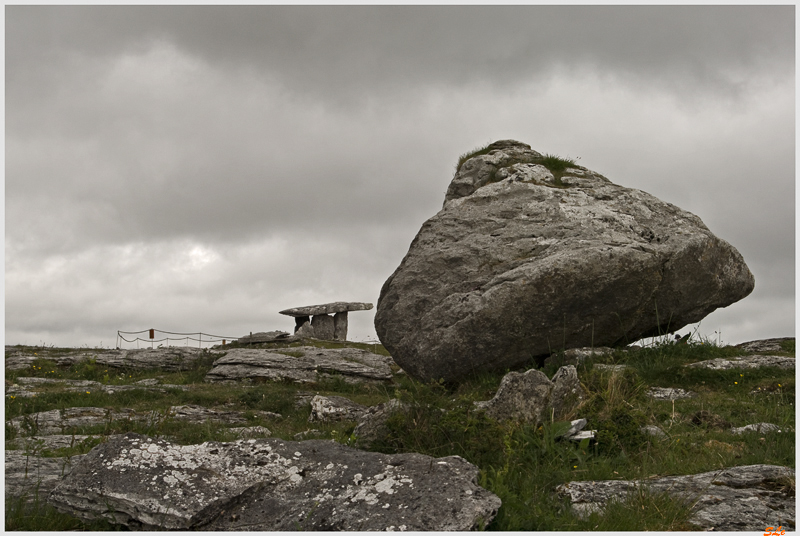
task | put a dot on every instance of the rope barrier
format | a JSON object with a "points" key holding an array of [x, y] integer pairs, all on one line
{"points": [[209, 339]]}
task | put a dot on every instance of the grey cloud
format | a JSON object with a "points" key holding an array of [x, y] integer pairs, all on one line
{"points": [[346, 52]]}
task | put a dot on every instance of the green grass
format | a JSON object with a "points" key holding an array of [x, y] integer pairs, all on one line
{"points": [[521, 463], [556, 164]]}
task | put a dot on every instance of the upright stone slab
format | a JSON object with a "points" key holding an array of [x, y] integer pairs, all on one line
{"points": [[323, 327], [517, 264], [340, 326]]}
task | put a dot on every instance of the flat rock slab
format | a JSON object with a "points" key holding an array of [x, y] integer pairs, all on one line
{"points": [[747, 362], [267, 336], [171, 359], [27, 387], [327, 308], [304, 364], [272, 485], [59, 421], [766, 345], [746, 498], [25, 474]]}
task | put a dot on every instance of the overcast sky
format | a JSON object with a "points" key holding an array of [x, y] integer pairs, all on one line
{"points": [[202, 168]]}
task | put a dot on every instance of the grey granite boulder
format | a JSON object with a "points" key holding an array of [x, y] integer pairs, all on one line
{"points": [[746, 498], [514, 266], [531, 397], [303, 364], [272, 485]]}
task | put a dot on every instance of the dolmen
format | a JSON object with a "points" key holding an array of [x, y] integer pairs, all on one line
{"points": [[531, 254], [316, 320]]}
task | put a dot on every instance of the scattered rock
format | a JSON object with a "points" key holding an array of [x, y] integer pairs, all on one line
{"points": [[669, 393], [766, 345], [372, 425], [266, 336], [576, 431], [761, 428], [308, 433], [530, 396], [653, 430], [307, 364], [272, 485], [747, 498], [613, 369], [25, 475], [248, 432], [746, 362], [508, 270], [334, 408]]}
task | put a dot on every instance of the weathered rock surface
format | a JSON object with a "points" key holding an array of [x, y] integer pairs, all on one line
{"points": [[24, 475], [746, 362], [334, 408], [266, 336], [669, 393], [766, 345], [653, 430], [271, 484], [170, 359], [576, 356], [508, 270], [50, 442], [759, 427], [750, 497], [31, 386], [531, 397], [59, 421], [309, 364]]}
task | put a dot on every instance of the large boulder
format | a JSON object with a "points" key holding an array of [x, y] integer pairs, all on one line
{"points": [[272, 485], [523, 260]]}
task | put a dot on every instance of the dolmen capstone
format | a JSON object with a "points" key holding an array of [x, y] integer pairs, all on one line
{"points": [[315, 320], [271, 485], [527, 257]]}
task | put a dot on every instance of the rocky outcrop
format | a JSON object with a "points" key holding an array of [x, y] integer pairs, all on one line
{"points": [[576, 356], [515, 265], [169, 359], [272, 485], [747, 362], [747, 498], [266, 336], [531, 397], [304, 364], [767, 345]]}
